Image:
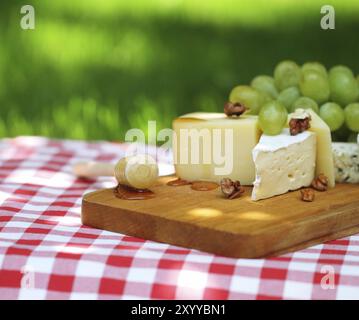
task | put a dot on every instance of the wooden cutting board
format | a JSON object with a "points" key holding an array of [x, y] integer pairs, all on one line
{"points": [[237, 228]]}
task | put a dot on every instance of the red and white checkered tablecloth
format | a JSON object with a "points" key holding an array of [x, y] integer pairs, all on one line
{"points": [[45, 252]]}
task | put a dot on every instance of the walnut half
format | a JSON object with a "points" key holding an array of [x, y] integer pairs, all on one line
{"points": [[234, 109], [231, 189], [308, 195], [320, 183], [299, 122]]}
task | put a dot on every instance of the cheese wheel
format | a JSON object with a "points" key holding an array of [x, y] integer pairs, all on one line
{"points": [[139, 171]]}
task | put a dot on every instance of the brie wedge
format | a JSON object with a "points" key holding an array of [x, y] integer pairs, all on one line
{"points": [[283, 163]]}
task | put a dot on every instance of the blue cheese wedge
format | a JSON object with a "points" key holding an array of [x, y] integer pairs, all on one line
{"points": [[283, 163], [346, 162]]}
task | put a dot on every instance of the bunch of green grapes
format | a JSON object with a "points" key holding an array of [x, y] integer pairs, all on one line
{"points": [[333, 94]]}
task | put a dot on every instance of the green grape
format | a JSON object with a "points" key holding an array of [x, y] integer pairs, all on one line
{"points": [[315, 66], [353, 136], [333, 115], [266, 98], [286, 74], [288, 96], [343, 87], [352, 116], [341, 69], [266, 85], [314, 85], [305, 103], [249, 97], [272, 118]]}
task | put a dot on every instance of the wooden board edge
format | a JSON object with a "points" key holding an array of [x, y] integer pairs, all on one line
{"points": [[221, 243], [144, 226], [317, 234], [317, 241]]}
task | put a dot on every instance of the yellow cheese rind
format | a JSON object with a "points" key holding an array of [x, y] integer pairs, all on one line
{"points": [[246, 134], [325, 160], [204, 116]]}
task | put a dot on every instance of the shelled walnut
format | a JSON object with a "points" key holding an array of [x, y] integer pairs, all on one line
{"points": [[320, 183], [231, 189], [308, 194], [234, 109], [299, 122]]}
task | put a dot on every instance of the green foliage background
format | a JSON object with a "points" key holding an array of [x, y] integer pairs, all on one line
{"points": [[93, 69]]}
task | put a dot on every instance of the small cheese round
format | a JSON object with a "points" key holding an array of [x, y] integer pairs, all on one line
{"points": [[139, 171]]}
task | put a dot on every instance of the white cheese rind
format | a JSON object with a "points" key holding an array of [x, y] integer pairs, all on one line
{"points": [[283, 163], [346, 162]]}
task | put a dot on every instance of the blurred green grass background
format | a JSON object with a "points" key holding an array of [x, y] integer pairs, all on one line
{"points": [[94, 69]]}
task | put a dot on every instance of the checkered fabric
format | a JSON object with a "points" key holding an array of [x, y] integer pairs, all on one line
{"points": [[45, 252]]}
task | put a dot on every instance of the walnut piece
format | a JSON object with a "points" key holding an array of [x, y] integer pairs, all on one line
{"points": [[234, 109], [231, 189], [308, 195], [320, 183], [297, 126], [299, 122]]}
